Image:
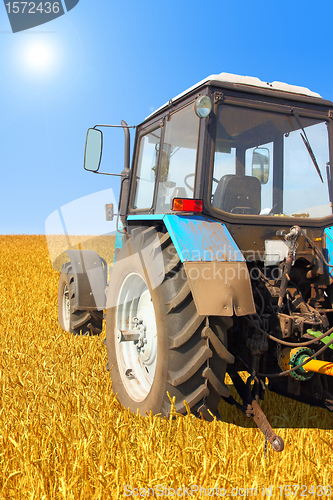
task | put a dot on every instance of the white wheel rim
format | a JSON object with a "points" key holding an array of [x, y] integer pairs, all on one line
{"points": [[136, 366], [66, 308]]}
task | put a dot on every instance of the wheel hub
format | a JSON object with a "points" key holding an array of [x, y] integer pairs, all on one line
{"points": [[136, 337], [141, 329]]}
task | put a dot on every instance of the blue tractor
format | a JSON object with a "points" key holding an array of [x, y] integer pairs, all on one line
{"points": [[222, 256]]}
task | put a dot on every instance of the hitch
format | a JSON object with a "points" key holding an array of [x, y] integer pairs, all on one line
{"points": [[251, 408], [254, 410]]}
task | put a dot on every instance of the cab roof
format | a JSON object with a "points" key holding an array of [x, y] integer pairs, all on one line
{"points": [[244, 80], [253, 82]]}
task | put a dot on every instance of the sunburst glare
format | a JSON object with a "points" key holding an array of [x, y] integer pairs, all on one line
{"points": [[39, 57]]}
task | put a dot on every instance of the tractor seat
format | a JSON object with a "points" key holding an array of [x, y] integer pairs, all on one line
{"points": [[238, 194]]}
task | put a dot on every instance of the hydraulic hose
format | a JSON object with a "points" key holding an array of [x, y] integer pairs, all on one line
{"points": [[292, 235], [292, 344], [289, 344], [320, 253]]}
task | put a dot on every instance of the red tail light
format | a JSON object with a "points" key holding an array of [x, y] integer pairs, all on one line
{"points": [[187, 205]]}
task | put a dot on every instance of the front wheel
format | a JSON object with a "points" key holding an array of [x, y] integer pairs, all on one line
{"points": [[156, 341], [136, 359]]}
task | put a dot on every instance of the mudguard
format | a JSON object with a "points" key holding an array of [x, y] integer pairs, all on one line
{"points": [[88, 276], [215, 267]]}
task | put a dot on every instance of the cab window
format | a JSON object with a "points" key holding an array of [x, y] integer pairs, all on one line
{"points": [[178, 158], [146, 170]]}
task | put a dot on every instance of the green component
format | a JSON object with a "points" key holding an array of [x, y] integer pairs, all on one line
{"points": [[298, 358], [325, 340]]}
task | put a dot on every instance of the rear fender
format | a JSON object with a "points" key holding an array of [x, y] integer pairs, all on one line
{"points": [[215, 267], [87, 280]]}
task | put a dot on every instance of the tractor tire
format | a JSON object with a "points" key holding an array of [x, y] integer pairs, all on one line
{"points": [[185, 354], [78, 322]]}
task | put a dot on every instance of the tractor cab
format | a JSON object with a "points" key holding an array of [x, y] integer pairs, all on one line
{"points": [[246, 149]]}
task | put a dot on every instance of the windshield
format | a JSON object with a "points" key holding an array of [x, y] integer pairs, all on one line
{"points": [[262, 165]]}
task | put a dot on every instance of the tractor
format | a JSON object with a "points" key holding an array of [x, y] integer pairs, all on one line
{"points": [[223, 253]]}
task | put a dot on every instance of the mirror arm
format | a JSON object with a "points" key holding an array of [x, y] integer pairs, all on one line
{"points": [[127, 148], [115, 126], [117, 175], [125, 182], [125, 174]]}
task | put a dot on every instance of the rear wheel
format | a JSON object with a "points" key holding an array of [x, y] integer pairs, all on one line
{"points": [[78, 322], [174, 349]]}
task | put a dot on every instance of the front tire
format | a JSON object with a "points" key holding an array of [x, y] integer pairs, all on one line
{"points": [[136, 360], [184, 354]]}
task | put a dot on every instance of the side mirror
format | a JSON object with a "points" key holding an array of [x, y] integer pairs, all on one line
{"points": [[93, 150], [260, 164]]}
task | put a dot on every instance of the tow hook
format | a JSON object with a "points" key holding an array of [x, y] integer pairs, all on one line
{"points": [[251, 408], [264, 426]]}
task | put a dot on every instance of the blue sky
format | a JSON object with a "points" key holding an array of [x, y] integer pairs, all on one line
{"points": [[105, 61]]}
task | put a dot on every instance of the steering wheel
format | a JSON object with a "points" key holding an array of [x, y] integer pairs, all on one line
{"points": [[192, 175], [186, 183]]}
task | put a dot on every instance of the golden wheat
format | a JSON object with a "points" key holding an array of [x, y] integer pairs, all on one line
{"points": [[64, 435]]}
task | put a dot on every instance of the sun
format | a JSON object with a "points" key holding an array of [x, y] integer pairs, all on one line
{"points": [[39, 57], [40, 64]]}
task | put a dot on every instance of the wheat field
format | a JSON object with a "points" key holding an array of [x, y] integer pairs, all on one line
{"points": [[64, 435]]}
